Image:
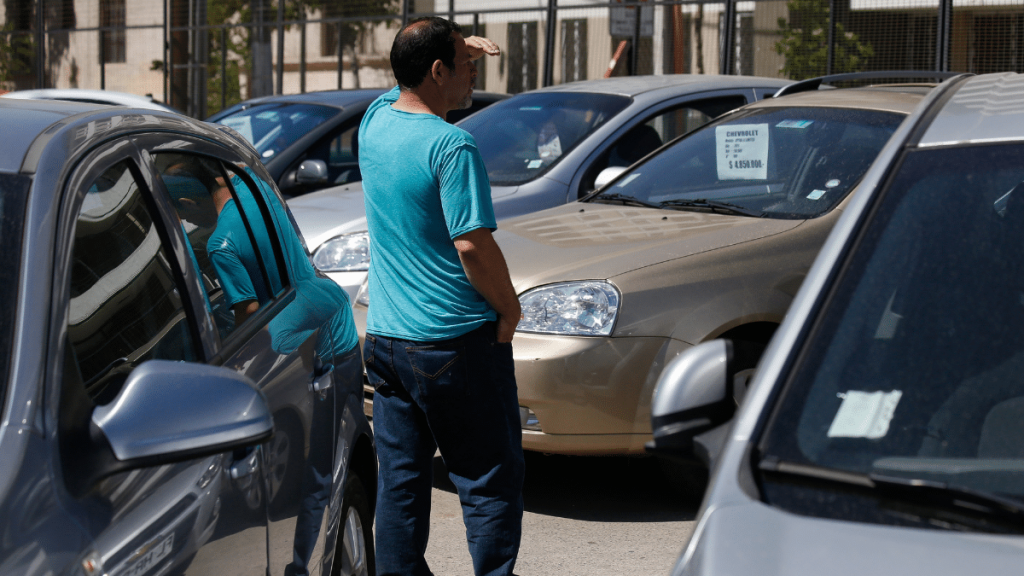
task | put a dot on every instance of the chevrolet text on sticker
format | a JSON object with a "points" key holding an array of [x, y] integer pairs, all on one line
{"points": [[741, 151]]}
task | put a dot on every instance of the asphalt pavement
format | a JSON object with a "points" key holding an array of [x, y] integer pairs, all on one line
{"points": [[587, 516]]}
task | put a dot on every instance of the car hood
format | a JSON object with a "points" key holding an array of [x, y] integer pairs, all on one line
{"points": [[327, 213], [584, 241], [753, 538]]}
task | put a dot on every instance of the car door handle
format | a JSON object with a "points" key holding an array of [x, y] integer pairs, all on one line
{"points": [[323, 379]]}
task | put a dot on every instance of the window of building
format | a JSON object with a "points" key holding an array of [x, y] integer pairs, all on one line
{"points": [[574, 50], [112, 42], [522, 57]]}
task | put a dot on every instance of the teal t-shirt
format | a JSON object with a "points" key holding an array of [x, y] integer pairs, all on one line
{"points": [[425, 184]]}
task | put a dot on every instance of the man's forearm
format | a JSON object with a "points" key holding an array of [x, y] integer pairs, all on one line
{"points": [[488, 273]]}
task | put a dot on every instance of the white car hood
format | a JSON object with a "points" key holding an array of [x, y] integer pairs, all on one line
{"points": [[754, 539], [327, 213]]}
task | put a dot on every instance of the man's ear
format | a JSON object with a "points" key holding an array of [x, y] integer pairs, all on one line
{"points": [[436, 71]]}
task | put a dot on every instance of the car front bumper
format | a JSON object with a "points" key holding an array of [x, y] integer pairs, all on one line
{"points": [[589, 395]]}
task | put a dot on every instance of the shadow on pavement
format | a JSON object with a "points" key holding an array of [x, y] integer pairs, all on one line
{"points": [[600, 489]]}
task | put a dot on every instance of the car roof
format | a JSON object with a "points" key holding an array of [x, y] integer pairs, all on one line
{"points": [[984, 108], [339, 98], [637, 85], [899, 99], [343, 98], [106, 97], [68, 128]]}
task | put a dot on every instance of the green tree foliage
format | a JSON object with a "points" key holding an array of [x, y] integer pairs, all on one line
{"points": [[16, 53], [804, 42]]}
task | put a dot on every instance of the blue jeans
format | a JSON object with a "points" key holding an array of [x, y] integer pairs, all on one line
{"points": [[458, 396]]}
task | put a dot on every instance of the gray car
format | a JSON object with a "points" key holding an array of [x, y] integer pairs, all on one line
{"points": [[309, 141], [151, 425], [882, 432], [544, 148]]}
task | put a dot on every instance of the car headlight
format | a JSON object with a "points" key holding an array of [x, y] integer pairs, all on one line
{"points": [[346, 253], [573, 308]]}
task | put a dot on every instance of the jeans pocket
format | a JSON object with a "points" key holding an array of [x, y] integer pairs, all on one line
{"points": [[440, 370], [368, 345]]}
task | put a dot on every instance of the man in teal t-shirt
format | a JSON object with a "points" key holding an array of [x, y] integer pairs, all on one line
{"points": [[443, 311]]}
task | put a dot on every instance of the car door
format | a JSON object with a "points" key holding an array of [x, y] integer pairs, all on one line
{"points": [[125, 299], [272, 322], [647, 131]]}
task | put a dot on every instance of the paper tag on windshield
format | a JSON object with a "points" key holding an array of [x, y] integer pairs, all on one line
{"points": [[864, 414], [741, 151]]}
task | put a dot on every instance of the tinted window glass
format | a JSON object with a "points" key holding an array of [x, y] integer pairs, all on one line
{"points": [[776, 163], [13, 193], [522, 137], [229, 239], [125, 307], [915, 368], [273, 127]]}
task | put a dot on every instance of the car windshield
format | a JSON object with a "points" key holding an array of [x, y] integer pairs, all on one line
{"points": [[913, 370], [770, 162], [273, 127], [524, 136], [13, 194]]}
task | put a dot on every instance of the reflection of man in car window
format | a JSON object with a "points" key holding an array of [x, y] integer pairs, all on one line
{"points": [[203, 199]]}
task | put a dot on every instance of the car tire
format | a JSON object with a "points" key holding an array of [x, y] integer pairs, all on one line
{"points": [[353, 554]]}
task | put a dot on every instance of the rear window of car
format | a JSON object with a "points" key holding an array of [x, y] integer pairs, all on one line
{"points": [[523, 137], [13, 194], [271, 128]]}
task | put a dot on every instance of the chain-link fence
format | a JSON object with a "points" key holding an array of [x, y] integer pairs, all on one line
{"points": [[203, 55]]}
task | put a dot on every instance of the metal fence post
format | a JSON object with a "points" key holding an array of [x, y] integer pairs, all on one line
{"points": [[830, 59], [302, 58], [40, 46], [728, 38], [224, 67], [549, 46], [341, 61], [280, 47], [942, 35], [167, 49]]}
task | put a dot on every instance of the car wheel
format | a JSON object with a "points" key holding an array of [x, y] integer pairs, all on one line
{"points": [[354, 553], [284, 467]]}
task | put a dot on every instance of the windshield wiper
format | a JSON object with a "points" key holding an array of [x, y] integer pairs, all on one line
{"points": [[713, 205], [920, 491], [933, 492], [622, 199]]}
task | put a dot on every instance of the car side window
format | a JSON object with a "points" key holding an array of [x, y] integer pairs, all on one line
{"points": [[228, 237], [339, 151], [125, 306], [663, 127]]}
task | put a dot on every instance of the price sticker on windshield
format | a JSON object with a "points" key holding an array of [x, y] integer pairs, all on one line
{"points": [[742, 151]]}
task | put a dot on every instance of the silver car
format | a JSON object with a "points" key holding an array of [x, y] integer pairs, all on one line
{"points": [[148, 426], [883, 431], [542, 149]]}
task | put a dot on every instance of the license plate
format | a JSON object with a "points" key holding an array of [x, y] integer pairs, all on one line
{"points": [[147, 559]]}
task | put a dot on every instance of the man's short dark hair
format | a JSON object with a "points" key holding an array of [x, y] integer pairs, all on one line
{"points": [[418, 45]]}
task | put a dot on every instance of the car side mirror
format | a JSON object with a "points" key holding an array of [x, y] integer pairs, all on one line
{"points": [[311, 172], [157, 419], [694, 395], [607, 175]]}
